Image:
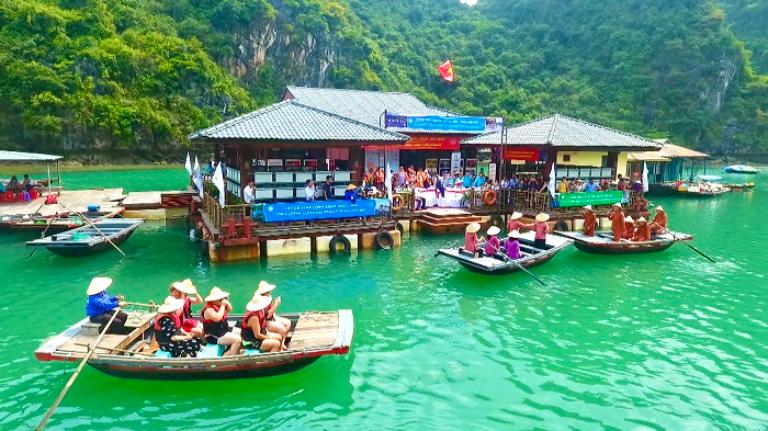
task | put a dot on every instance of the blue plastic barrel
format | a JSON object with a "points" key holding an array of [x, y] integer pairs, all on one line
{"points": [[93, 208]]}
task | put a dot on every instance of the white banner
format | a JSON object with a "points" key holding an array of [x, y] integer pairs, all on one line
{"points": [[218, 181]]}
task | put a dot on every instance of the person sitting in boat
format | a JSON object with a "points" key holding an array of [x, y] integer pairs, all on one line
{"points": [[101, 306], [643, 231], [215, 324], [275, 323], [492, 243], [629, 228], [187, 292], [512, 245], [590, 221], [542, 229], [617, 221], [659, 223], [13, 184], [471, 241], [255, 325], [514, 222], [169, 332]]}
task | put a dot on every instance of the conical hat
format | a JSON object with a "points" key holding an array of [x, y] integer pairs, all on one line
{"points": [[659, 209], [351, 187], [493, 230], [515, 215], [264, 287], [642, 220], [542, 217], [216, 294], [258, 302], [185, 287], [629, 219], [618, 204], [588, 207], [473, 228], [513, 234], [170, 305], [98, 285]]}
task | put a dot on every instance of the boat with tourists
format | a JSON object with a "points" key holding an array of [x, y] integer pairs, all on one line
{"points": [[136, 355], [603, 243], [91, 238], [741, 169], [499, 264]]}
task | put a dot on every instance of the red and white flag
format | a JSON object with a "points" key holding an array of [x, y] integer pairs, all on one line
{"points": [[446, 71]]}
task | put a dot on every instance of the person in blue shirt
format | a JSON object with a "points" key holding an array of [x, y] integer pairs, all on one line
{"points": [[466, 182], [591, 186], [101, 306], [479, 181], [351, 193]]}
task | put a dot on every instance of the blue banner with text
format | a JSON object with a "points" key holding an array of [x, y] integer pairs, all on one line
{"points": [[318, 210]]}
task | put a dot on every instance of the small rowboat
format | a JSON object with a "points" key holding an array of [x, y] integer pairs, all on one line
{"points": [[603, 243], [741, 169], [86, 240], [53, 224], [313, 334], [497, 265]]}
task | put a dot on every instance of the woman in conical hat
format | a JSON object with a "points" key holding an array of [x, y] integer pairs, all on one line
{"points": [[186, 291], [492, 244], [215, 324], [101, 306], [590, 221], [275, 323], [629, 227], [643, 231], [514, 222], [512, 245], [542, 229], [169, 330], [617, 221], [255, 325], [659, 223], [471, 241]]}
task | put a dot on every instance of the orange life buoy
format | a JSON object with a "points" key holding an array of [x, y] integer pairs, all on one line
{"points": [[398, 202], [489, 197]]}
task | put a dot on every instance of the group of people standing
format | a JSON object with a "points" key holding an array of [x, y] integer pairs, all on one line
{"points": [[182, 335]]}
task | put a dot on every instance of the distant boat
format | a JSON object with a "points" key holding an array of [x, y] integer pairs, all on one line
{"points": [[741, 169], [87, 240], [493, 265], [709, 177], [603, 243]]}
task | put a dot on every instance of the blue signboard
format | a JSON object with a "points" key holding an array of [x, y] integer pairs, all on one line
{"points": [[318, 210], [394, 120], [447, 123]]}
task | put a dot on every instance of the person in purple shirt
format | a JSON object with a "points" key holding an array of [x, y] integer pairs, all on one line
{"points": [[101, 306], [492, 244], [512, 245]]}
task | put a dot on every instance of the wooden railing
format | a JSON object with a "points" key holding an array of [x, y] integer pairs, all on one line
{"points": [[219, 215]]}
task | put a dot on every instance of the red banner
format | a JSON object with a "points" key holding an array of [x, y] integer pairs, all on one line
{"points": [[433, 142], [529, 154]]}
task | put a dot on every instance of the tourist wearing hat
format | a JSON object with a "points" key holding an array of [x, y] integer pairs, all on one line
{"points": [[170, 333], [215, 324], [590, 221], [101, 306], [542, 229], [616, 215], [514, 222], [471, 241], [659, 223], [512, 245], [186, 291], [643, 231], [351, 193], [629, 228], [255, 325], [492, 243], [275, 323]]}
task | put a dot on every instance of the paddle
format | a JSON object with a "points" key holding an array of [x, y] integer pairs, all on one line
{"points": [[97, 230], [130, 352], [691, 247], [74, 376]]}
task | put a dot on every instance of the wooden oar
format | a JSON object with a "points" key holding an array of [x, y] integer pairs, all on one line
{"points": [[141, 304], [97, 230], [131, 352], [691, 247], [65, 389]]}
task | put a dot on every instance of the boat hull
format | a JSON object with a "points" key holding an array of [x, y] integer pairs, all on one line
{"points": [[603, 243], [80, 251], [650, 248]]}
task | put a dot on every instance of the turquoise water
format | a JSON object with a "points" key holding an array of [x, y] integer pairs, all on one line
{"points": [[657, 341], [130, 180]]}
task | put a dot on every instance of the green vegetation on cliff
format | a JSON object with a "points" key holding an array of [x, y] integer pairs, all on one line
{"points": [[138, 75]]}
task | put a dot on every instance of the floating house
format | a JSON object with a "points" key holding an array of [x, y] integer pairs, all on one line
{"points": [[672, 163]]}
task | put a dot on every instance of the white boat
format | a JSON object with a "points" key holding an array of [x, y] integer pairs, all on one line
{"points": [[741, 169]]}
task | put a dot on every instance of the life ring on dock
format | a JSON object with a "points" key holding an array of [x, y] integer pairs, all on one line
{"points": [[497, 221], [384, 240], [398, 202], [562, 225], [490, 197], [334, 242]]}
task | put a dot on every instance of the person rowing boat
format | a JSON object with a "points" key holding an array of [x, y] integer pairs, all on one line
{"points": [[590, 221], [659, 223], [101, 306], [617, 221]]}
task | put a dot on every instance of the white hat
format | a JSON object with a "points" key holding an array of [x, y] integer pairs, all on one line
{"points": [[258, 302], [264, 287], [493, 230], [659, 208], [185, 287], [216, 294], [629, 219], [618, 204], [515, 215], [473, 228], [98, 285], [513, 234], [642, 220], [170, 305], [587, 207], [542, 217]]}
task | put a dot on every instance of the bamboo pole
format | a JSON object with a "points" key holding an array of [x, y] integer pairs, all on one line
{"points": [[65, 389], [97, 230]]}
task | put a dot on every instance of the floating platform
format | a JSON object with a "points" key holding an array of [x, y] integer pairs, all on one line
{"points": [[447, 220]]}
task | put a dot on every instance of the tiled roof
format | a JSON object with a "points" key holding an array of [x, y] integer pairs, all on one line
{"points": [[18, 156], [562, 131], [364, 106], [673, 151], [294, 121]]}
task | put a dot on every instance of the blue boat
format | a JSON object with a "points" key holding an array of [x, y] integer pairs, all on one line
{"points": [[89, 239]]}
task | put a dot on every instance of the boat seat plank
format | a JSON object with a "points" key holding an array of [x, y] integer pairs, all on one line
{"points": [[314, 331]]}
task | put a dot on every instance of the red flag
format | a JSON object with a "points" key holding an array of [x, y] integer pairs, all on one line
{"points": [[446, 71]]}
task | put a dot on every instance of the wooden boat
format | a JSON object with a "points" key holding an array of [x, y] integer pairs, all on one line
{"points": [[312, 335], [741, 187], [86, 240], [53, 224], [603, 243], [497, 265], [741, 169]]}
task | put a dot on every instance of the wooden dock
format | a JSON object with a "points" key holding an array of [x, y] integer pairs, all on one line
{"points": [[74, 200]]}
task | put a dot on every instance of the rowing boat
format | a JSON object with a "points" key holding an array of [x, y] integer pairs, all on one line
{"points": [[53, 224], [497, 264], [603, 243], [312, 335], [87, 240]]}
